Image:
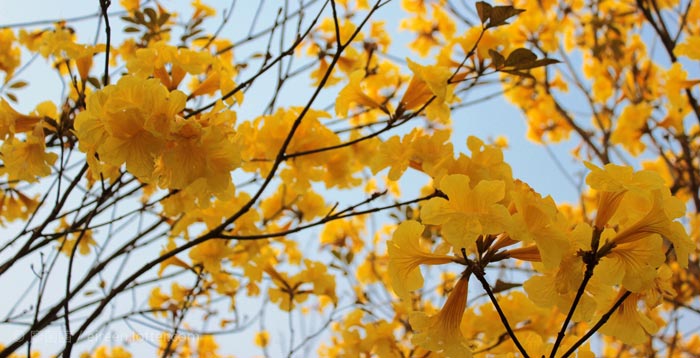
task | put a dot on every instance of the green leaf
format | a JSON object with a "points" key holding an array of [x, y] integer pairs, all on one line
{"points": [[499, 15], [501, 286], [520, 56], [131, 29], [349, 256], [538, 63], [497, 59], [163, 19], [409, 213], [519, 73], [139, 18], [152, 15], [11, 96], [131, 20], [94, 81], [19, 84], [484, 11]]}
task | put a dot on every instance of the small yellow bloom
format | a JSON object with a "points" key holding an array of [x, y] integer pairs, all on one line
{"points": [[469, 212], [27, 160], [353, 93], [130, 5], [659, 220], [210, 254], [156, 301], [207, 347], [12, 122], [173, 260], [286, 291], [9, 54], [262, 339], [615, 181], [633, 264], [202, 10], [429, 82], [442, 332], [690, 48], [84, 246], [630, 127], [629, 324], [537, 219], [116, 352], [406, 255]]}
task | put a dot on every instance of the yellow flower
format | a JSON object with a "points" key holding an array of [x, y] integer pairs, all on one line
{"points": [[84, 246], [129, 123], [173, 260], [658, 220], [630, 127], [558, 285], [262, 339], [633, 264], [344, 233], [442, 332], [225, 284], [210, 254], [27, 160], [617, 178], [360, 4], [16, 205], [130, 5], [689, 48], [156, 301], [557, 288], [428, 82], [353, 93], [395, 152], [104, 352], [469, 212], [538, 220], [347, 29], [9, 55], [54, 43], [526, 253], [629, 324], [207, 347], [426, 29], [486, 163], [285, 292], [177, 343], [83, 55], [406, 255], [311, 205], [197, 153], [432, 154], [615, 181], [12, 122], [202, 10], [317, 273], [677, 106], [414, 6]]}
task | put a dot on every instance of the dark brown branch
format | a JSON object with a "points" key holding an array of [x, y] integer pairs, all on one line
{"points": [[597, 326], [104, 5]]}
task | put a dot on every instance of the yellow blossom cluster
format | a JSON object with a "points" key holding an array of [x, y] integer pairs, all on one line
{"points": [[212, 209]]}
